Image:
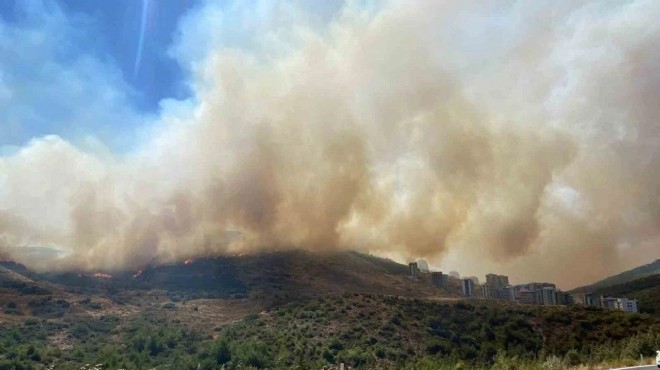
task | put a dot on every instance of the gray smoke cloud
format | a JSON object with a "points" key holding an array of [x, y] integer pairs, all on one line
{"points": [[519, 137]]}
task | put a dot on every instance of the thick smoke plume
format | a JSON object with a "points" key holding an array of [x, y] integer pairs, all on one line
{"points": [[523, 138]]}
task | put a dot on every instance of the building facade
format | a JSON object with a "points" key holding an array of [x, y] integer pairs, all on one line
{"points": [[585, 299], [468, 287], [413, 270], [621, 304], [564, 298], [438, 279], [526, 296], [497, 281], [487, 292], [549, 296], [626, 305], [506, 293], [422, 265]]}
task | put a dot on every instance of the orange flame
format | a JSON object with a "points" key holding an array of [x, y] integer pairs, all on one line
{"points": [[137, 274], [102, 275], [188, 261]]}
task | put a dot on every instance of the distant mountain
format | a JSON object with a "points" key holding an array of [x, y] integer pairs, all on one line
{"points": [[626, 276]]}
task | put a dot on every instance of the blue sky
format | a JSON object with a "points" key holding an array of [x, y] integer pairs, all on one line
{"points": [[116, 27], [68, 68], [78, 69]]}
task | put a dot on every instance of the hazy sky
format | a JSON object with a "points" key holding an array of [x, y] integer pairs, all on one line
{"points": [[512, 137]]}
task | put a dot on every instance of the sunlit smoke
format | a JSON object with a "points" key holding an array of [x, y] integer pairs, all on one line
{"points": [[530, 142]]}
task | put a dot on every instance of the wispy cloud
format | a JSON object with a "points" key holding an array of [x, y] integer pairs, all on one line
{"points": [[140, 45]]}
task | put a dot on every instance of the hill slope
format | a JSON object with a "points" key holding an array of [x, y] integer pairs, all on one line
{"points": [[286, 309], [268, 275], [646, 290], [626, 276], [364, 331], [641, 283]]}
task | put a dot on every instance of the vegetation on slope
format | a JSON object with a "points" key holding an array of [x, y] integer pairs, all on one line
{"points": [[626, 276], [389, 331], [364, 331], [292, 273], [646, 290]]}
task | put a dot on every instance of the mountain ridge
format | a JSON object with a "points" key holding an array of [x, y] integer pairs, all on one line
{"points": [[623, 277], [268, 274]]}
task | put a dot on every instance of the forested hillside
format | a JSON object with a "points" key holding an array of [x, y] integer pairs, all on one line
{"points": [[363, 331]]}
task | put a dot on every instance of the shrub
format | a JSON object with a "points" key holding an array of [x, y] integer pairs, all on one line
{"points": [[252, 353], [355, 357], [572, 358], [221, 352]]}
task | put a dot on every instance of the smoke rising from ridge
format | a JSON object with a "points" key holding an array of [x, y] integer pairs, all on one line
{"points": [[529, 141]]}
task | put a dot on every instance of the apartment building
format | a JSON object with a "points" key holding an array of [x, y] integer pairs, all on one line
{"points": [[585, 299], [487, 292], [549, 296], [413, 270], [526, 296], [467, 286], [626, 305], [497, 281], [621, 304], [438, 279]]}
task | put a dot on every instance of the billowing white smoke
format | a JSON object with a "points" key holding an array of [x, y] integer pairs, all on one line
{"points": [[523, 136]]}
